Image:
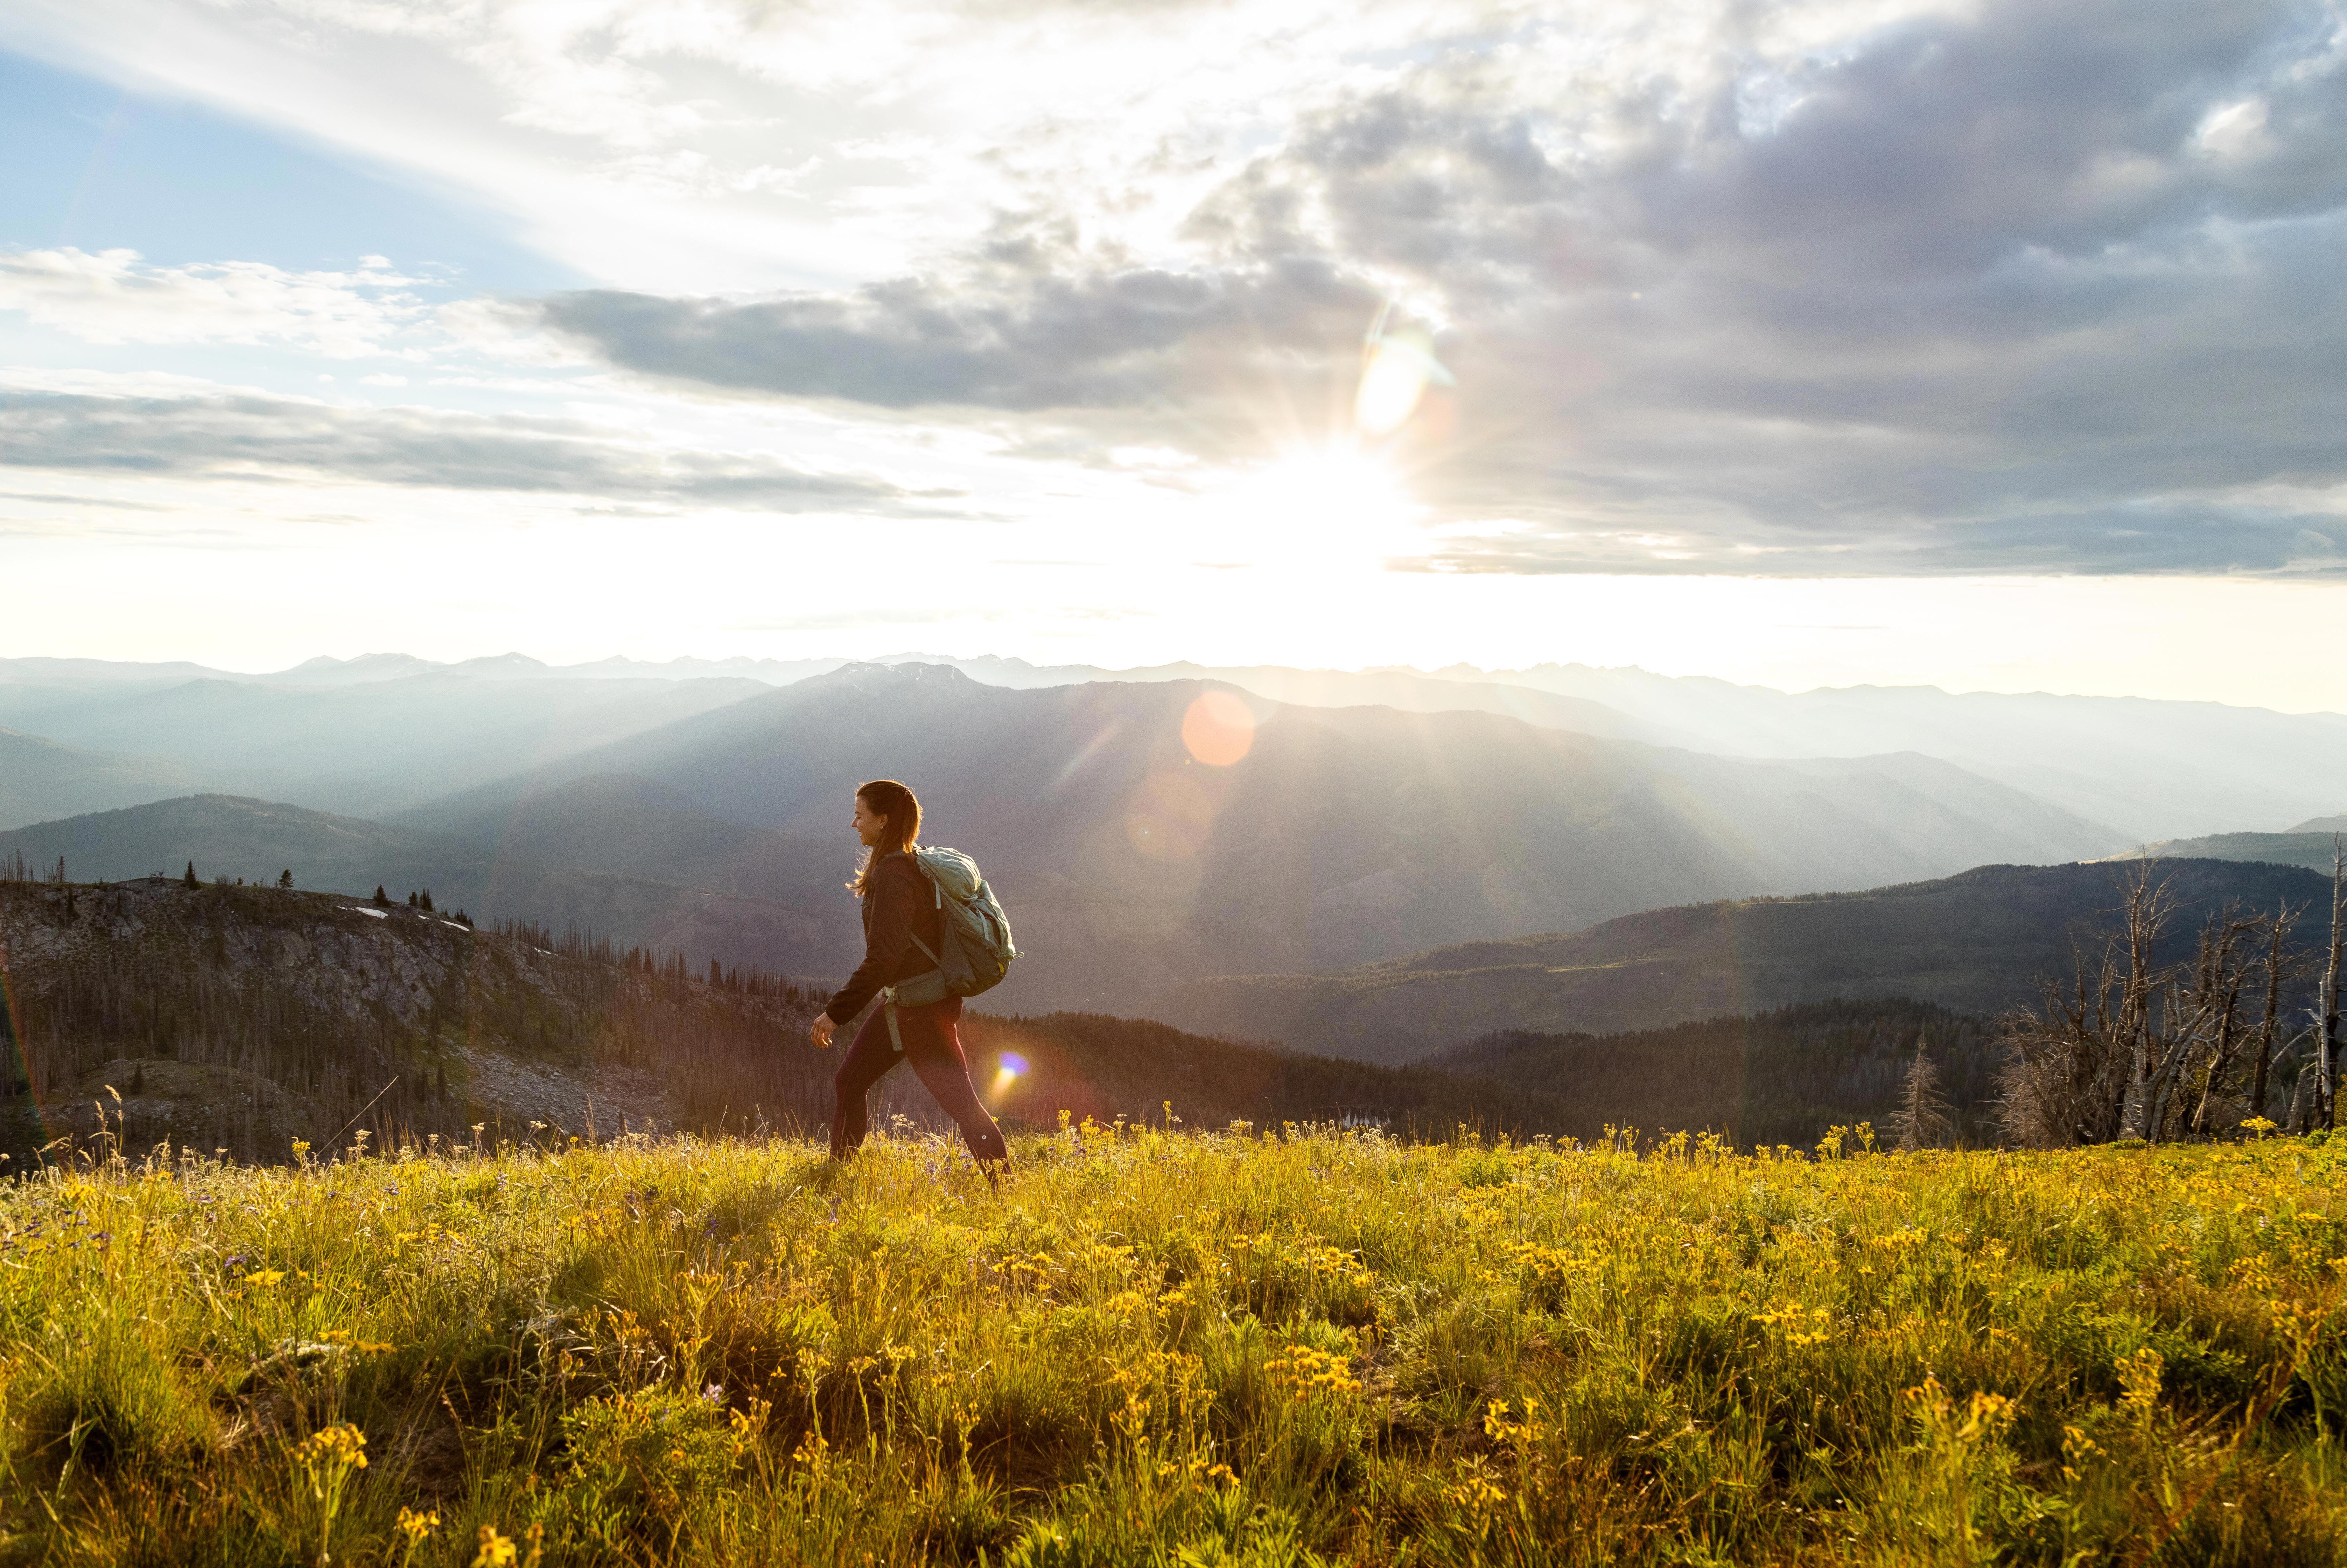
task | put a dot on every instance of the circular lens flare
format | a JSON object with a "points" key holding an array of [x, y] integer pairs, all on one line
{"points": [[1008, 1072], [1218, 729]]}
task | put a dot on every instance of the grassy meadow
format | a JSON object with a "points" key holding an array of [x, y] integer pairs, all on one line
{"points": [[1167, 1347]]}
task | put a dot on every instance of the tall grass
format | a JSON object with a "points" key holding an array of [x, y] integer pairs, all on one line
{"points": [[1155, 1348]]}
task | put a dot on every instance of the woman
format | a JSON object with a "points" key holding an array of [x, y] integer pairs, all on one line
{"points": [[900, 907]]}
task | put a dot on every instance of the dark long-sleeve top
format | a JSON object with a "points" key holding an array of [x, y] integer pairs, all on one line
{"points": [[899, 905]]}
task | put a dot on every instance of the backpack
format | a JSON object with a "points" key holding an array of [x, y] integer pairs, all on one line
{"points": [[975, 933]]}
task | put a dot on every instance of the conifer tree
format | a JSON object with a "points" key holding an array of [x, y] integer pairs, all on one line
{"points": [[1923, 1120], [189, 879], [427, 901], [381, 899], [285, 877], [410, 898]]}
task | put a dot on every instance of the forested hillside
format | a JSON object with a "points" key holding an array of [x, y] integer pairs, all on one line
{"points": [[1091, 1064], [1777, 1077], [1977, 943]]}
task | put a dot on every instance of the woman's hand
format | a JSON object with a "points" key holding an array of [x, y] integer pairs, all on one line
{"points": [[822, 1031]]}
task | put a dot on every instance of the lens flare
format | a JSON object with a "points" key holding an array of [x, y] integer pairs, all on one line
{"points": [[1218, 729], [1008, 1072], [1397, 365]]}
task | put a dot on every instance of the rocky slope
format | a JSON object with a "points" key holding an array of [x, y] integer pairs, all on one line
{"points": [[246, 1018]]}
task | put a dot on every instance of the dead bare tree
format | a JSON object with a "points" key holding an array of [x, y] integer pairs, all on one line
{"points": [[2277, 967], [2326, 1046], [2200, 1037], [2068, 1067], [2143, 916], [2130, 1049]]}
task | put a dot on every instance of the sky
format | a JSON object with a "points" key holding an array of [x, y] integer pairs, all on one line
{"points": [[1989, 345]]}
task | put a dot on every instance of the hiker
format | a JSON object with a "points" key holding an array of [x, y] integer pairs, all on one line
{"points": [[903, 934]]}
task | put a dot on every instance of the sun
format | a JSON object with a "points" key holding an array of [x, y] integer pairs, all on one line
{"points": [[1332, 507]]}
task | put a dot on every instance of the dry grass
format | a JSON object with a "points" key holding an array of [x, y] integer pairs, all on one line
{"points": [[1166, 1348]]}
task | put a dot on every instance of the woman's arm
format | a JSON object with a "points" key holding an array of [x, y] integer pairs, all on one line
{"points": [[885, 938]]}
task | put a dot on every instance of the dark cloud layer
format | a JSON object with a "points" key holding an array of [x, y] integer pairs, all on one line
{"points": [[260, 436], [2039, 288], [1046, 339]]}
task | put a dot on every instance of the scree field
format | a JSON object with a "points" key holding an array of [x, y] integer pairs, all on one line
{"points": [[1163, 1348]]}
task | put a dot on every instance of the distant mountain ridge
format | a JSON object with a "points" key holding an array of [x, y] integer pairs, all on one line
{"points": [[2152, 770], [1975, 943], [2308, 845], [41, 779], [365, 749]]}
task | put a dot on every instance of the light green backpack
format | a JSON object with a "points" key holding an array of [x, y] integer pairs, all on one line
{"points": [[976, 950]]}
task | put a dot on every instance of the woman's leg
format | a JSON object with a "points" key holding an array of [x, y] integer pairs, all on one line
{"points": [[867, 1062], [933, 1045]]}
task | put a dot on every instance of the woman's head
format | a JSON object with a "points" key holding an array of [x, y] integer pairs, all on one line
{"points": [[887, 819]]}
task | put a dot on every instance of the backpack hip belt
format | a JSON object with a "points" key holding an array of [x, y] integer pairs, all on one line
{"points": [[920, 984]]}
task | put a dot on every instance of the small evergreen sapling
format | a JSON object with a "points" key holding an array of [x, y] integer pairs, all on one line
{"points": [[285, 877], [381, 899], [1923, 1120], [189, 879]]}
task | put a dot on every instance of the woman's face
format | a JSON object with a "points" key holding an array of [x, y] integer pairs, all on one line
{"points": [[869, 823]]}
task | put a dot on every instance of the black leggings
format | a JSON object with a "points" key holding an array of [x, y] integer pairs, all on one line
{"points": [[934, 1048]]}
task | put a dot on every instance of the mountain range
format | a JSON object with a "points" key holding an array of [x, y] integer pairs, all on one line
{"points": [[398, 732], [1340, 837]]}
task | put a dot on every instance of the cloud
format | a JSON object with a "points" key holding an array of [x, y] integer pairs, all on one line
{"points": [[2016, 288], [1022, 338], [113, 297], [248, 435]]}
